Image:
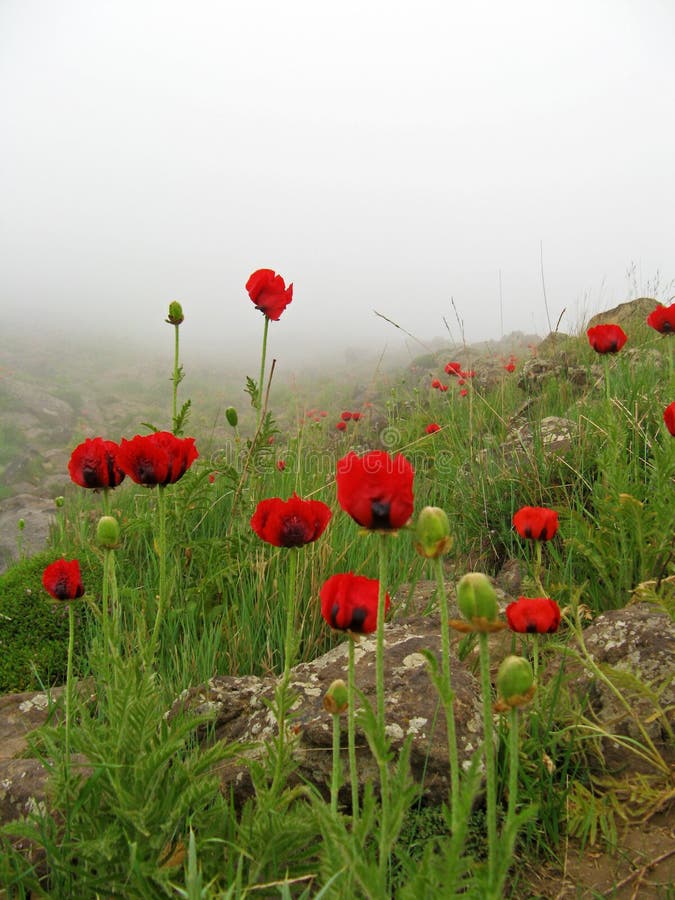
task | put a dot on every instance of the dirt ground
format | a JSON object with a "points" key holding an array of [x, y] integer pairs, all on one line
{"points": [[641, 868]]}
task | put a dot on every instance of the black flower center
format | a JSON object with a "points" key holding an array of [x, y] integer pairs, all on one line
{"points": [[294, 532], [380, 510]]}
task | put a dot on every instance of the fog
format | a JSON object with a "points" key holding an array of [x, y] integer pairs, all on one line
{"points": [[382, 156]]}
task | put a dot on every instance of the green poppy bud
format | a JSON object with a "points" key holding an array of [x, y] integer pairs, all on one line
{"points": [[21, 524], [108, 533], [175, 313], [231, 416], [59, 501], [476, 598], [515, 681], [335, 698], [432, 532]]}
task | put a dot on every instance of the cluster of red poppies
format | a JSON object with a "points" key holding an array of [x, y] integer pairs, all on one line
{"points": [[159, 458], [376, 491], [539, 615]]}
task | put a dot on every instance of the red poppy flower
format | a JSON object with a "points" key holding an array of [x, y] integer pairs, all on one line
{"points": [[93, 464], [376, 489], [432, 428], [535, 615], [510, 367], [663, 319], [436, 383], [536, 522], [463, 392], [281, 465], [290, 523], [470, 374], [349, 602], [669, 418], [159, 458], [356, 416], [443, 387], [341, 426], [453, 368], [62, 579], [346, 416], [606, 338], [269, 293]]}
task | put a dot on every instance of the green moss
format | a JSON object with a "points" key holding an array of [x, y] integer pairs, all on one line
{"points": [[34, 628]]}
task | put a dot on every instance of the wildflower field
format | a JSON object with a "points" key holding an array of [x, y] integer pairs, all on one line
{"points": [[313, 526]]}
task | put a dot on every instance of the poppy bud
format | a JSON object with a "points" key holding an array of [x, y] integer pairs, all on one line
{"points": [[59, 501], [231, 416], [108, 533], [476, 597], [21, 524], [335, 698], [175, 313], [432, 532], [515, 681]]}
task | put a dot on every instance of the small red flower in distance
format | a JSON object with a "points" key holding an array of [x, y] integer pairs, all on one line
{"points": [[93, 464], [281, 465], [159, 458], [290, 523], [535, 615], [443, 387], [356, 416], [606, 338], [453, 368], [212, 478], [432, 427], [436, 383], [376, 489], [269, 293], [669, 418], [341, 426], [346, 416], [536, 522], [62, 579], [471, 373], [349, 602], [510, 367], [323, 413], [463, 392], [663, 319]]}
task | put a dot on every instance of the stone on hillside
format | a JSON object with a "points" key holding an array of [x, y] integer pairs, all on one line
{"points": [[37, 514], [412, 710], [635, 648]]}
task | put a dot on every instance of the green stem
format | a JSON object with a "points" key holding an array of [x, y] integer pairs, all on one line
{"points": [[448, 696], [175, 379], [261, 380], [351, 733], [488, 746], [605, 360], [161, 604], [69, 713], [337, 767], [379, 684], [513, 772], [290, 642], [289, 657]]}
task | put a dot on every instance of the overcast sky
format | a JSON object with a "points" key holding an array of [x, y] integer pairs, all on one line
{"points": [[380, 155]]}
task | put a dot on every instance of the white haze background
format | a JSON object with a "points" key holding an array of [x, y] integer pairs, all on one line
{"points": [[381, 155]]}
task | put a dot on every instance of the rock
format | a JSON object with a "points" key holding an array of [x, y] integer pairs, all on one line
{"points": [[37, 514], [635, 647], [412, 709], [631, 315]]}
